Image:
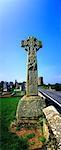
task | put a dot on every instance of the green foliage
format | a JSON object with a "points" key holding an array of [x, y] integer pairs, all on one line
{"points": [[10, 141], [18, 127], [44, 86], [42, 120], [56, 86], [32, 143], [42, 139], [29, 136]]}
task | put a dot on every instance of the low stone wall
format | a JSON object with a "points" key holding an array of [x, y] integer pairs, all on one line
{"points": [[54, 120]]}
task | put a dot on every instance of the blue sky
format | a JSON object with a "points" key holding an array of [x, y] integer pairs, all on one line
{"points": [[20, 19]]}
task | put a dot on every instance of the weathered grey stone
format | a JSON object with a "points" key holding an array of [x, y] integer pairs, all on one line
{"points": [[32, 45], [30, 107], [54, 120], [31, 104], [50, 112]]}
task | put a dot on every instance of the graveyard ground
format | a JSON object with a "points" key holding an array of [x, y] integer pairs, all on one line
{"points": [[9, 140], [20, 138]]}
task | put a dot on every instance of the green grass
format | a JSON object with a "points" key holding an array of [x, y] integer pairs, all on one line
{"points": [[29, 136], [32, 143], [9, 141], [42, 139]]}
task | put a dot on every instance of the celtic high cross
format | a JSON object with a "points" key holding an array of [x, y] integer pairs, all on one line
{"points": [[32, 45]]}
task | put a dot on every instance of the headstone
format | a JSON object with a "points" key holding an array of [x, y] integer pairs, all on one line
{"points": [[31, 105], [16, 84], [5, 87]]}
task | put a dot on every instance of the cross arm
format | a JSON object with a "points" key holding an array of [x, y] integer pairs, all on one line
{"points": [[38, 44], [31, 42], [24, 43]]}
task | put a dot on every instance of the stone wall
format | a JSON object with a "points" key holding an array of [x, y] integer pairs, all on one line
{"points": [[54, 120]]}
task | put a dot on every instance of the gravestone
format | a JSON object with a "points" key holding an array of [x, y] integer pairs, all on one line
{"points": [[31, 105], [5, 87]]}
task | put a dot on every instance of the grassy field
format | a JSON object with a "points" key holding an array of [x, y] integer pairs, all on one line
{"points": [[8, 140]]}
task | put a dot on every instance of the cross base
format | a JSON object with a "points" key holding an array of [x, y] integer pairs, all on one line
{"points": [[30, 107]]}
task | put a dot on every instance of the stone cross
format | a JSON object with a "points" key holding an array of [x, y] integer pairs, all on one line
{"points": [[32, 45]]}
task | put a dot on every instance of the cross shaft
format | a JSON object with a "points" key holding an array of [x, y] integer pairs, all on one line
{"points": [[32, 45]]}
